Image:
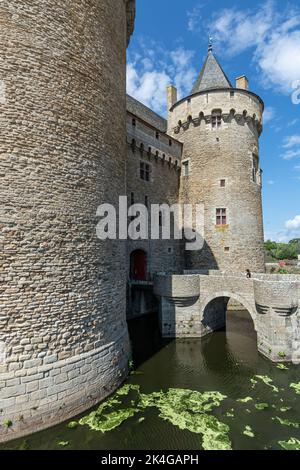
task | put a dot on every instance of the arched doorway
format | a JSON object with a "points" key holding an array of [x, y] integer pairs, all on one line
{"points": [[138, 265]]}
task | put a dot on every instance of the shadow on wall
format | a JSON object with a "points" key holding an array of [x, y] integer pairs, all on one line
{"points": [[214, 315], [202, 259]]}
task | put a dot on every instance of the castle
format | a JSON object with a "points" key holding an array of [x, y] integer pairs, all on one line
{"points": [[68, 145]]}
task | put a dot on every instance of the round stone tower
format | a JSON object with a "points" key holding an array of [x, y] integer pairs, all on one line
{"points": [[63, 334], [220, 127]]}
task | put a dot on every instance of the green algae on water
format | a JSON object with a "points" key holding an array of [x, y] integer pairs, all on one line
{"points": [[248, 431], [245, 400], [63, 443], [267, 381], [261, 406], [72, 424], [282, 367], [296, 387], [291, 444], [188, 409], [286, 422], [107, 422]]}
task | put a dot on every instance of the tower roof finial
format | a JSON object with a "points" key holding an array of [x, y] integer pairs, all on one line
{"points": [[210, 43]]}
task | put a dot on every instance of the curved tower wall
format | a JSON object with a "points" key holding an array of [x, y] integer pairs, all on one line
{"points": [[224, 153], [63, 335]]}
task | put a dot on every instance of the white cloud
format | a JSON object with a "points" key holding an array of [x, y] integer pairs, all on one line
{"points": [[269, 114], [273, 35], [291, 141], [292, 145], [152, 69], [271, 182], [194, 18], [293, 224], [293, 122]]}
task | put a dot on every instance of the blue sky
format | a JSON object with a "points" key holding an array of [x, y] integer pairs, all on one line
{"points": [[261, 41]]}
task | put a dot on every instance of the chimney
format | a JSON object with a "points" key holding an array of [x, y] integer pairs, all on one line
{"points": [[242, 82], [171, 96]]}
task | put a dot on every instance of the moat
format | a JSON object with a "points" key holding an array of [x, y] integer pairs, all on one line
{"points": [[259, 413]]}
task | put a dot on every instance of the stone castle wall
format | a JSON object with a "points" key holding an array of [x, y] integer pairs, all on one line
{"points": [[163, 155], [63, 334], [216, 154]]}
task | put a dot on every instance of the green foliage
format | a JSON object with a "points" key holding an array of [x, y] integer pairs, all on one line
{"points": [[281, 354], [281, 251], [8, 423]]}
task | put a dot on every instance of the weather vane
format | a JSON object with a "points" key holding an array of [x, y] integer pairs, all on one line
{"points": [[210, 44]]}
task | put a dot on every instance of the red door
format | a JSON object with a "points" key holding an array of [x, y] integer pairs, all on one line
{"points": [[139, 265]]}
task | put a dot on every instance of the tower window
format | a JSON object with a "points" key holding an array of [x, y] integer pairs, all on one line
{"points": [[216, 121], [133, 122], [226, 249], [145, 171], [170, 142], [221, 217], [255, 168], [157, 134], [186, 168], [222, 183]]}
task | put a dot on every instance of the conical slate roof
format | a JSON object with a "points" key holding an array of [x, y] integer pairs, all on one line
{"points": [[211, 76]]}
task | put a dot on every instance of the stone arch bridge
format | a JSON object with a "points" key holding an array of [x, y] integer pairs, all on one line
{"points": [[194, 304]]}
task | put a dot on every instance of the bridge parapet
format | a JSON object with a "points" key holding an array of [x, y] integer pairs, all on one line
{"points": [[194, 304]]}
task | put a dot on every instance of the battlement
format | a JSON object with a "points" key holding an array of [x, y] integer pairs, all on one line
{"points": [[236, 104], [146, 135]]}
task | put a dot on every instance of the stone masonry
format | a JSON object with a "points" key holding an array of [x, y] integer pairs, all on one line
{"points": [[63, 335], [194, 305], [70, 141]]}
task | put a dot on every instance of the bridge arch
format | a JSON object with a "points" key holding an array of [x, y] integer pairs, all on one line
{"points": [[228, 295]]}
